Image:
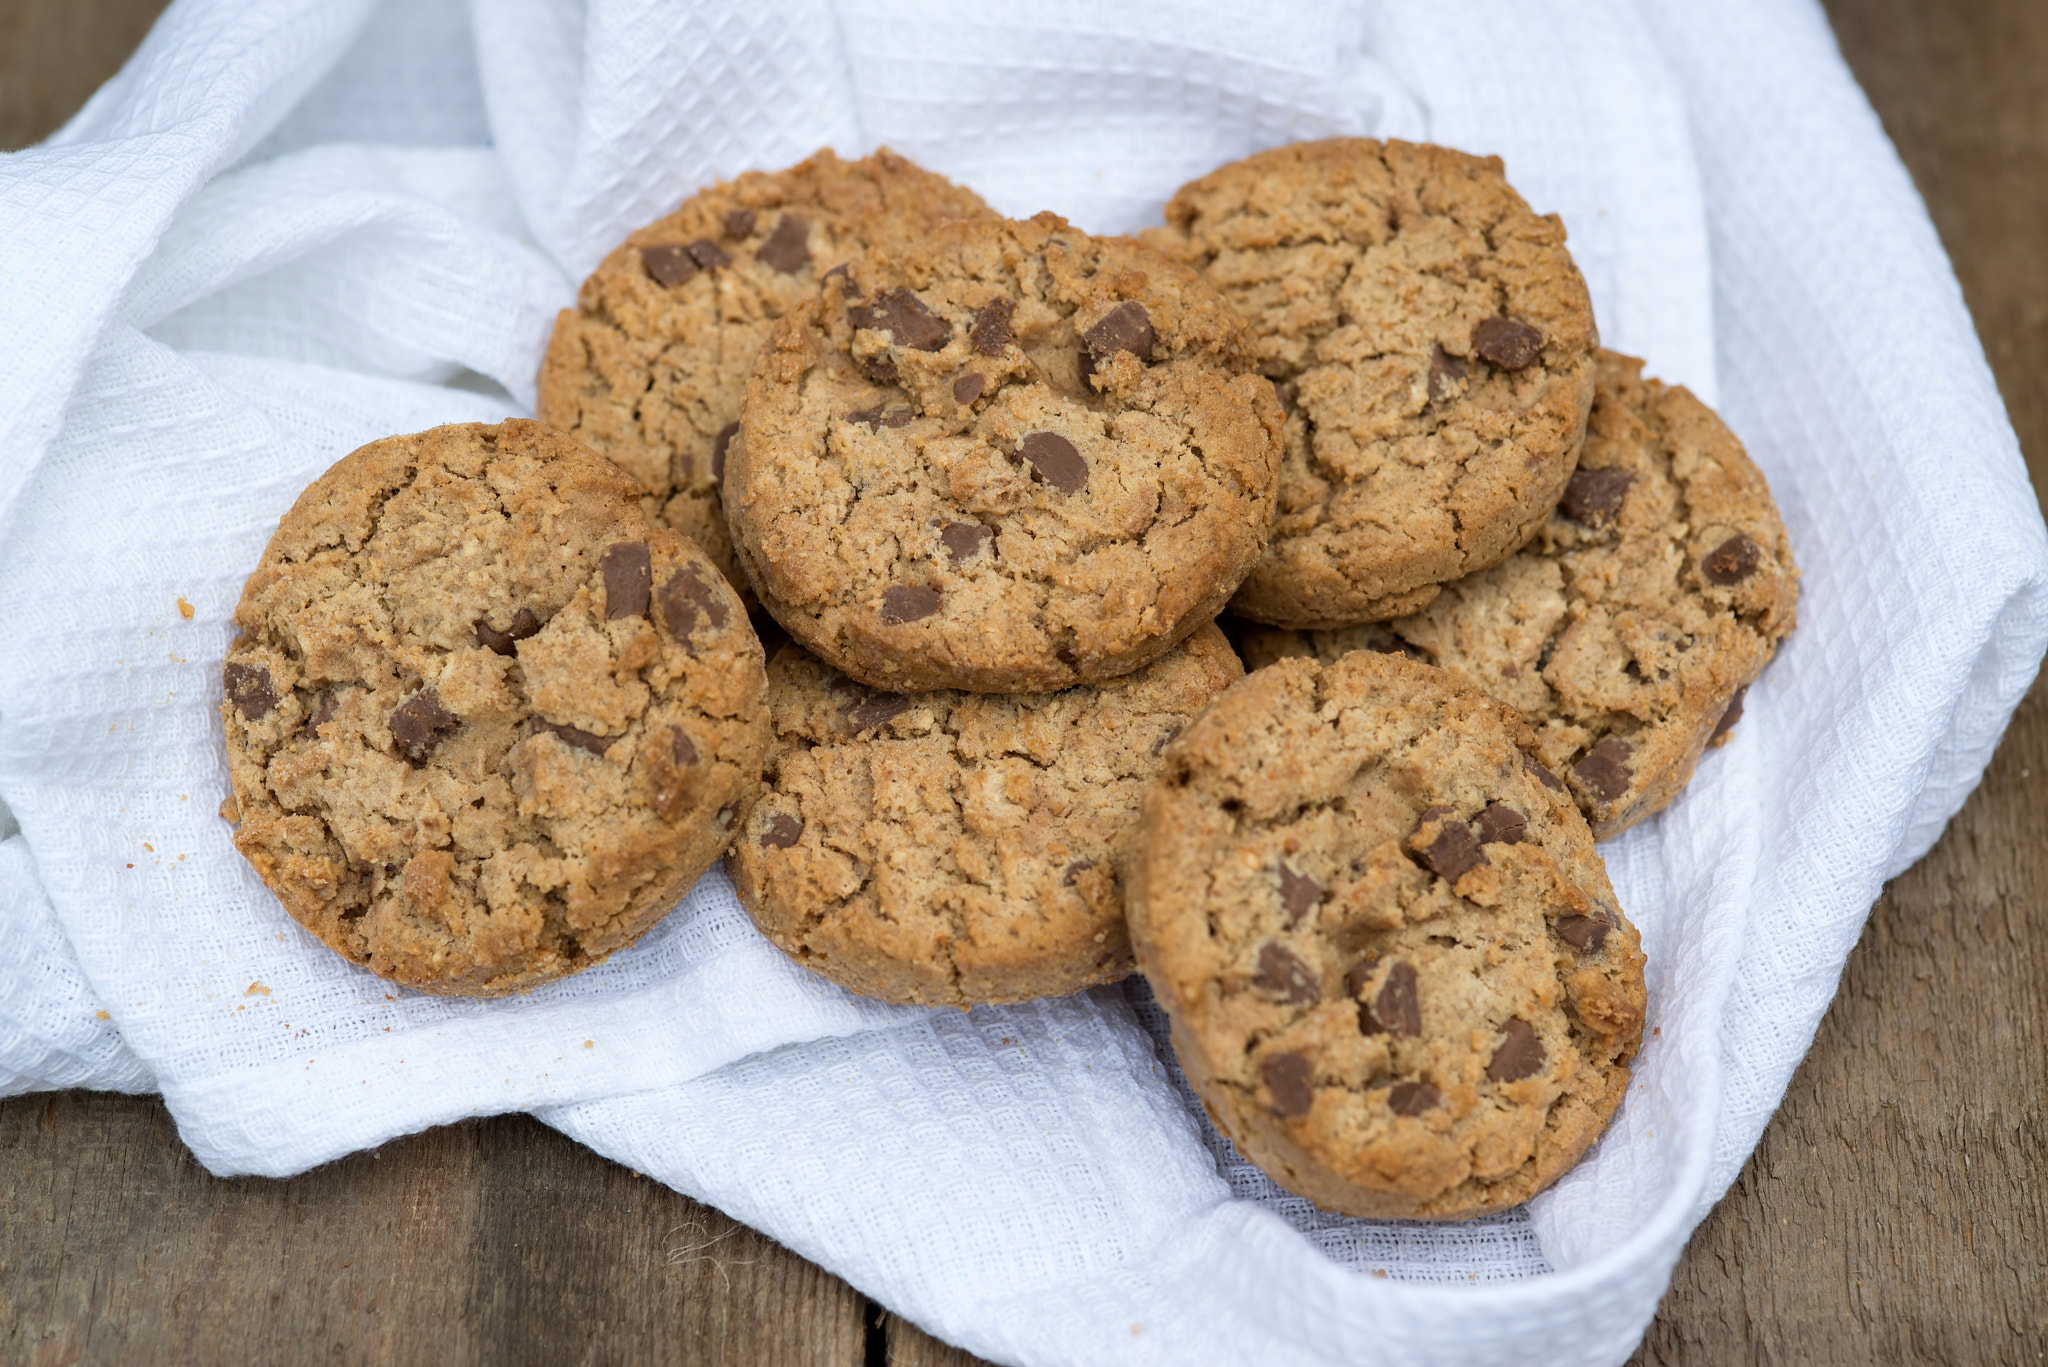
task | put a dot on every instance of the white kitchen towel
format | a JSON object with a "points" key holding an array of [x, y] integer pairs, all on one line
{"points": [[290, 226]]}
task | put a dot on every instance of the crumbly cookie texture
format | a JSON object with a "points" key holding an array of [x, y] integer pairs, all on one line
{"points": [[484, 724], [650, 368], [950, 848], [1628, 632], [1396, 972], [1433, 342], [1011, 459]]}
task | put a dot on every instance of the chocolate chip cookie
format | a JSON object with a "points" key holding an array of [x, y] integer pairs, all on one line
{"points": [[650, 367], [484, 723], [1396, 972], [1013, 458], [949, 848], [1434, 345], [1629, 630]]}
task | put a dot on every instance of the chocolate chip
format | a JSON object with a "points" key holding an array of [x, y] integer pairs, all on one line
{"points": [[1507, 343], [1454, 853], [1412, 1098], [1445, 370], [687, 596], [1541, 772], [904, 317], [1733, 561], [880, 369], [964, 540], [709, 254], [788, 248], [852, 289], [1398, 1007], [249, 688], [1282, 973], [1298, 895], [908, 603], [1500, 824], [1165, 739], [968, 388], [1054, 460], [991, 331], [628, 574], [1357, 976], [1075, 870], [322, 713], [739, 222], [896, 417], [570, 735], [680, 749], [669, 265], [720, 444], [1583, 932], [1732, 715], [1127, 327], [1604, 769], [1520, 1054], [1288, 1079], [783, 831], [1634, 671], [877, 710], [420, 723], [524, 624], [1593, 496], [871, 417]]}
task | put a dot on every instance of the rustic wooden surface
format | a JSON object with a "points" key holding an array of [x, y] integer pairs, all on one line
{"points": [[1893, 1213]]}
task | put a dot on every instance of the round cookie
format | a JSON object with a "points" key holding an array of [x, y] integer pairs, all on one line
{"points": [[1434, 345], [1394, 967], [484, 724], [1627, 632], [951, 848], [650, 368], [1013, 458]]}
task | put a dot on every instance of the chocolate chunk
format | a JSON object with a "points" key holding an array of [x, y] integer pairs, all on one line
{"points": [[908, 603], [1507, 343], [739, 222], [720, 444], [783, 831], [420, 723], [1733, 561], [852, 289], [1634, 671], [709, 254], [1500, 824], [877, 710], [1541, 772], [1454, 853], [1583, 932], [1127, 327], [1520, 1054], [904, 317], [896, 417], [249, 688], [1594, 496], [880, 369], [628, 574], [322, 713], [991, 331], [680, 749], [1165, 739], [964, 540], [570, 735], [1282, 973], [669, 265], [687, 596], [1412, 1098], [1445, 370], [1732, 715], [1075, 870], [1289, 1081], [1298, 895], [1357, 976], [968, 387], [1604, 768], [788, 248], [1054, 460], [524, 624], [870, 417], [1398, 1007]]}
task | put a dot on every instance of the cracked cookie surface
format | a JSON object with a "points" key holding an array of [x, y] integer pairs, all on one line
{"points": [[1396, 972], [1627, 633], [1011, 459], [1433, 342], [484, 724], [949, 848], [650, 368]]}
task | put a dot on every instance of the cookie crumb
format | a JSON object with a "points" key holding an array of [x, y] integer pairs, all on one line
{"points": [[184, 609], [590, 1044], [254, 988], [101, 1016]]}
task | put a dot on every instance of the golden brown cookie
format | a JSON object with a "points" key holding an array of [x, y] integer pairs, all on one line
{"points": [[1434, 344], [484, 724], [1010, 459], [949, 848], [650, 368], [1395, 970], [1627, 632]]}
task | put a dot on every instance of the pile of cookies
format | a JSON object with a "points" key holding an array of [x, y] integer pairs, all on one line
{"points": [[498, 699]]}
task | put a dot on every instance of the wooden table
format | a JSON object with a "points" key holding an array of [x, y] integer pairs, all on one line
{"points": [[1893, 1213]]}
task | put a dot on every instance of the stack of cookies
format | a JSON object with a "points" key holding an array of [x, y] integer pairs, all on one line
{"points": [[499, 698]]}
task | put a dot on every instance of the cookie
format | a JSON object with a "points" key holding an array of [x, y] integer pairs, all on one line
{"points": [[1013, 458], [1396, 973], [484, 723], [1628, 631], [650, 367], [1434, 345], [949, 848]]}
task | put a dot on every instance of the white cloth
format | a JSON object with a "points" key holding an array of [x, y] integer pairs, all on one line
{"points": [[290, 226]]}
